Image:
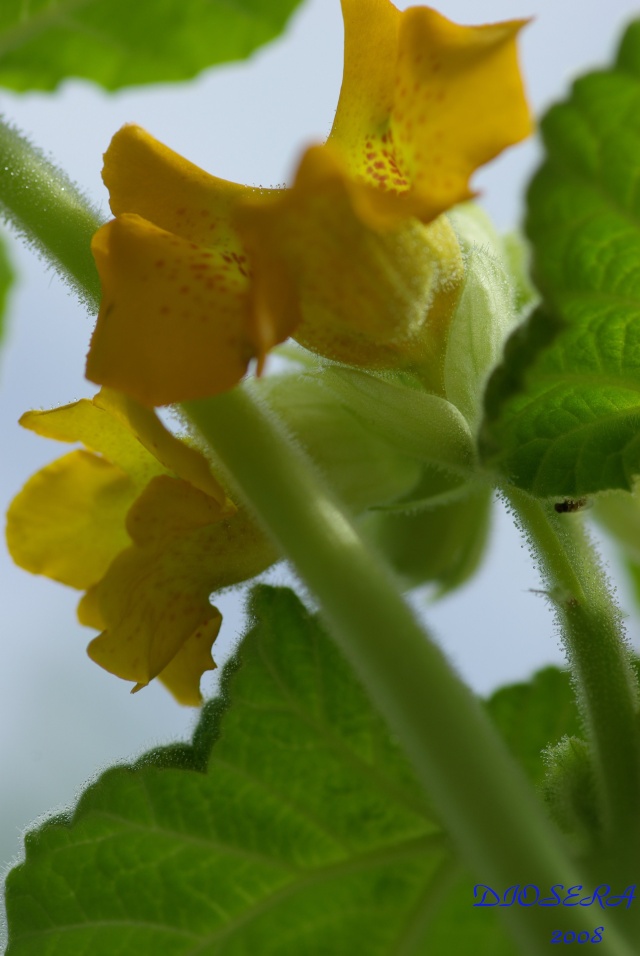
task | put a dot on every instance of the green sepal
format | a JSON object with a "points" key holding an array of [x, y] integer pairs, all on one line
{"points": [[485, 315], [373, 436], [363, 467], [442, 544], [517, 253]]}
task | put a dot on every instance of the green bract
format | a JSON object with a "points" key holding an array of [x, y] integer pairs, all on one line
{"points": [[485, 316]]}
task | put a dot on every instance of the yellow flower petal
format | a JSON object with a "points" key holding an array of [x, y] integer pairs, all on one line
{"points": [[68, 522], [154, 599], [89, 613], [172, 452], [368, 294], [145, 177], [87, 422], [174, 322], [371, 31], [425, 102], [182, 675], [128, 435]]}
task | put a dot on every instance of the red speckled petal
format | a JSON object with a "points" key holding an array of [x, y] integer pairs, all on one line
{"points": [[175, 319], [425, 102]]}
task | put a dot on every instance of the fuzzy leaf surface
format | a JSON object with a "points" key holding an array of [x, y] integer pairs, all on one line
{"points": [[292, 824], [563, 412]]}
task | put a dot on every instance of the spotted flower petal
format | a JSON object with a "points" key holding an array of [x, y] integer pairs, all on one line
{"points": [[184, 310], [147, 178], [176, 320], [425, 102], [159, 593], [154, 600], [129, 510], [362, 291]]}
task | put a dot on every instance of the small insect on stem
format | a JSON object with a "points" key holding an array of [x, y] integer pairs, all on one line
{"points": [[570, 505]]}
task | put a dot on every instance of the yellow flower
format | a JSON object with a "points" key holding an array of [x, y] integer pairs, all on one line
{"points": [[175, 319], [138, 521], [200, 275]]}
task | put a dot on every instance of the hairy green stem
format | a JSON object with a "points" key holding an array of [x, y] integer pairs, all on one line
{"points": [[479, 792], [48, 211], [607, 690]]}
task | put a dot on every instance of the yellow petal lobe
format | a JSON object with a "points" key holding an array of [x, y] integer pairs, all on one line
{"points": [[371, 30], [154, 599], [360, 289], [173, 453], [425, 102], [182, 675], [129, 435], [87, 422], [144, 176], [156, 594], [68, 522], [89, 613], [174, 317], [459, 102]]}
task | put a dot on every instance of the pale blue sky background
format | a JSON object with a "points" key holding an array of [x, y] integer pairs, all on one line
{"points": [[62, 719]]}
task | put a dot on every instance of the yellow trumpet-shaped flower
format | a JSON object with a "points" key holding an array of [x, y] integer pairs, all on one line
{"points": [[200, 276], [139, 522]]}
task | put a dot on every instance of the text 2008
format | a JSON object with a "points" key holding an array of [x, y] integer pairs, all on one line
{"points": [[583, 937]]}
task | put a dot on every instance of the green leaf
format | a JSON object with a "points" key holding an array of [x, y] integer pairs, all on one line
{"points": [[291, 825], [118, 43], [564, 419]]}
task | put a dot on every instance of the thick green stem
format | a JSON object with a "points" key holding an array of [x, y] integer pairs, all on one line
{"points": [[486, 804], [47, 209], [607, 688]]}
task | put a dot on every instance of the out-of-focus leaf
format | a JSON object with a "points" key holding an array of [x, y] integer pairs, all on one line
{"points": [[442, 544], [120, 43]]}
